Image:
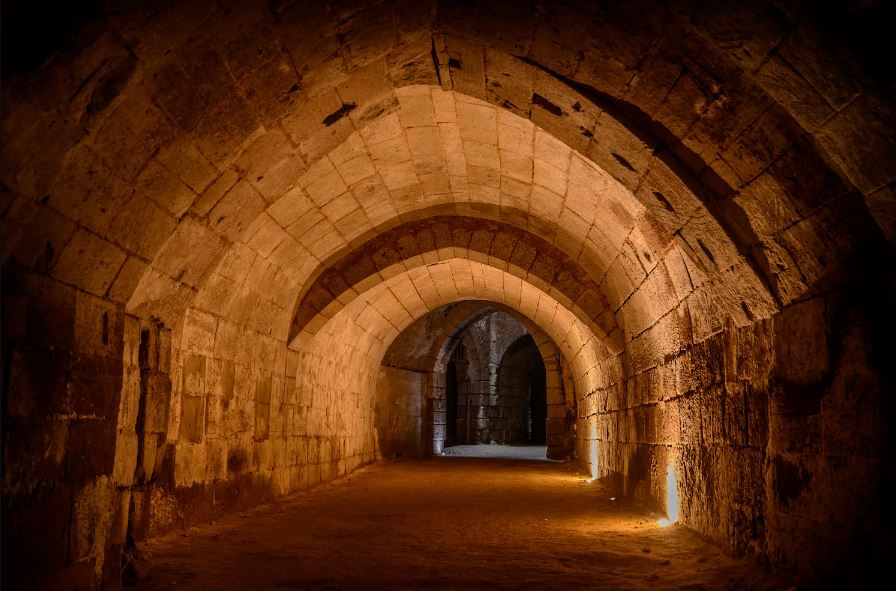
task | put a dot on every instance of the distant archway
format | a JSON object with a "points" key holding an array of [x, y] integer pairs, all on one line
{"points": [[556, 413], [521, 394]]}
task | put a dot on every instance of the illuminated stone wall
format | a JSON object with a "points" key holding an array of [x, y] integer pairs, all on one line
{"points": [[694, 204], [399, 412]]}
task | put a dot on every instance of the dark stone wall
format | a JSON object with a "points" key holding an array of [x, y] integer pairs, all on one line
{"points": [[85, 413], [64, 516], [829, 470], [759, 138], [497, 415], [521, 370]]}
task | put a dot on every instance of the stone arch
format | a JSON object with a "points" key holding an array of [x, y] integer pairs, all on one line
{"points": [[450, 46], [583, 349], [561, 399], [620, 273], [417, 243], [756, 182]]}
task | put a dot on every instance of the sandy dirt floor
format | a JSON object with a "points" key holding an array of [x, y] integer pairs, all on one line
{"points": [[448, 523]]}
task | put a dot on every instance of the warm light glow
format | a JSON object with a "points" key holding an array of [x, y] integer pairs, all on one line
{"points": [[671, 496], [671, 493], [593, 448]]}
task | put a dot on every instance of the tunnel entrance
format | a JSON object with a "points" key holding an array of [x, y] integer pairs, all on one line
{"points": [[458, 399], [468, 375], [451, 404], [521, 413], [250, 247]]}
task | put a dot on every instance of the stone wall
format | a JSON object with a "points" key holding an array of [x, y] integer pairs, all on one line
{"points": [[693, 201], [251, 418], [753, 420], [830, 439], [86, 402], [474, 341], [399, 412], [493, 334]]}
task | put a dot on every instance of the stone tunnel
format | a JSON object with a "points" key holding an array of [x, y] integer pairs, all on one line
{"points": [[278, 259]]}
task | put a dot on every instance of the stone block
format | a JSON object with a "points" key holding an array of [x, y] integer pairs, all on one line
{"points": [[158, 395], [801, 349], [89, 262], [38, 382], [193, 373], [192, 422], [125, 461], [41, 240], [862, 144], [262, 408], [91, 449], [784, 83], [98, 326], [95, 387], [760, 143], [712, 415], [800, 434], [189, 252], [234, 212], [35, 452], [736, 417], [183, 159], [127, 280]]}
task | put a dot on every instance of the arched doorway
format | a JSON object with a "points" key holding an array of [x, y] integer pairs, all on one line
{"points": [[536, 433], [458, 403], [475, 348], [451, 404], [521, 395]]}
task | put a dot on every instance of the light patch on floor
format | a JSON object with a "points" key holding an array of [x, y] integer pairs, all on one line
{"points": [[502, 452]]}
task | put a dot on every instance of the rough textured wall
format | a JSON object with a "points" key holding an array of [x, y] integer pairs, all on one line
{"points": [[399, 412], [772, 429], [493, 334], [705, 168], [830, 434], [86, 403], [144, 456]]}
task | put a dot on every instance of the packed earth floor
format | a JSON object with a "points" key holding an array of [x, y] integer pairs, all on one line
{"points": [[448, 523]]}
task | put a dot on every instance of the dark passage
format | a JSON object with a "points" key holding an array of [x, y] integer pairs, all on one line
{"points": [[522, 399], [451, 399]]}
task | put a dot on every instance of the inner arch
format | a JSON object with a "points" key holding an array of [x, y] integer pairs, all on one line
{"points": [[176, 179], [420, 243]]}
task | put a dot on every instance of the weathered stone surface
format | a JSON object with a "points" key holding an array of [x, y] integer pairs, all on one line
{"points": [[689, 205]]}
